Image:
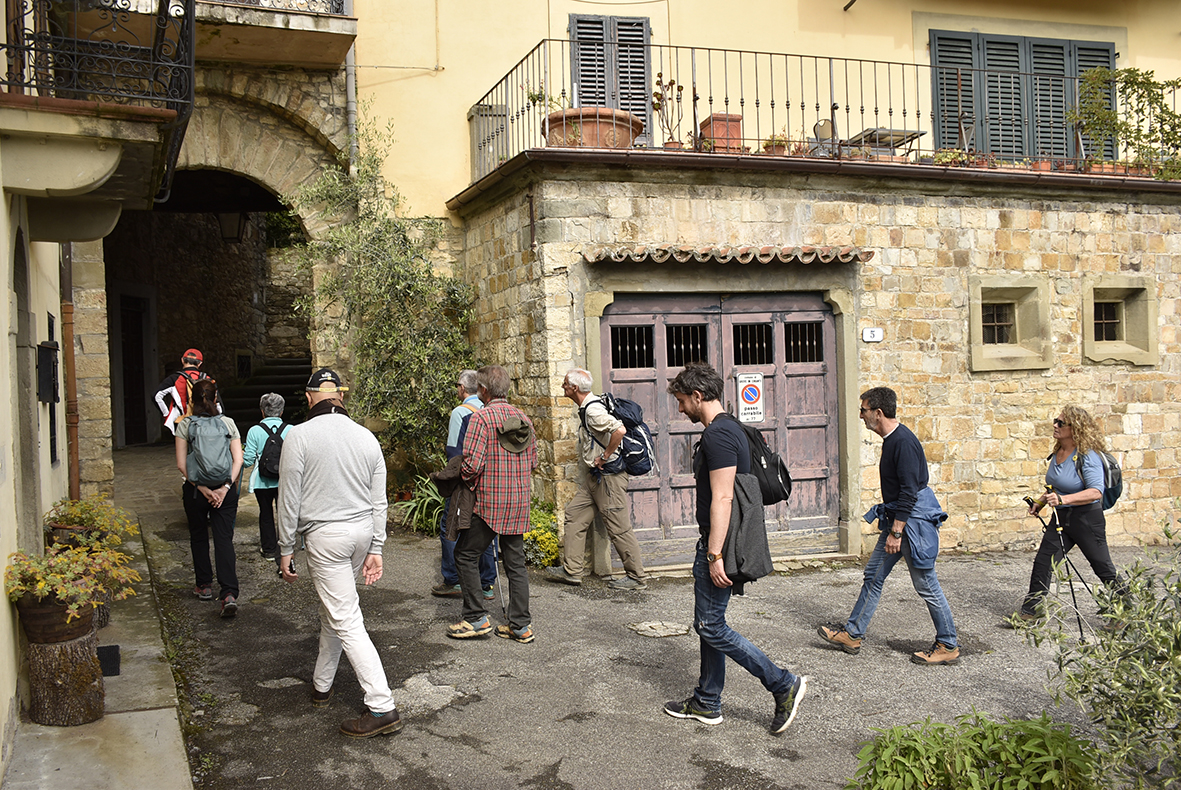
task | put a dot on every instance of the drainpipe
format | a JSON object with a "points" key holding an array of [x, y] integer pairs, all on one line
{"points": [[350, 90], [66, 279]]}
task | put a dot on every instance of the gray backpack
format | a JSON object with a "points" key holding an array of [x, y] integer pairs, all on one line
{"points": [[209, 461]]}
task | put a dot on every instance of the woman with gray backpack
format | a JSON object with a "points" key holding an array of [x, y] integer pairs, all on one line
{"points": [[209, 457], [264, 444]]}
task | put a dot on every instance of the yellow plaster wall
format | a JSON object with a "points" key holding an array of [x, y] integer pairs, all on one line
{"points": [[424, 63]]}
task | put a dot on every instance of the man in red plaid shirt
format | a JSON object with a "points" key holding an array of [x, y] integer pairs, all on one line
{"points": [[500, 454]]}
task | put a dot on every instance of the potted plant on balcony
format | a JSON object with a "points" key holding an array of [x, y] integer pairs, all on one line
{"points": [[666, 102], [776, 144], [951, 157], [1144, 121], [584, 127]]}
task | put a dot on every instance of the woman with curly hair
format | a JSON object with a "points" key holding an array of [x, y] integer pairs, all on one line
{"points": [[1075, 481]]}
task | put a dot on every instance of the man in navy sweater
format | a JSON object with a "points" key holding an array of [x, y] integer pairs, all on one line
{"points": [[909, 519]]}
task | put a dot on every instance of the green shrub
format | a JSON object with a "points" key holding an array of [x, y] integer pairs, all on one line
{"points": [[541, 541], [423, 511], [1127, 676], [978, 753]]}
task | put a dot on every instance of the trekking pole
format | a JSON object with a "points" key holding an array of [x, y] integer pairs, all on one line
{"points": [[1069, 565], [499, 586]]}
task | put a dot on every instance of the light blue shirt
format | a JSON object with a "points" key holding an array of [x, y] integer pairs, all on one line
{"points": [[256, 438], [457, 415], [1064, 476]]}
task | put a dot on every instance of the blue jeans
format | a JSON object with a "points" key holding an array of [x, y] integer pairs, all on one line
{"points": [[719, 640], [450, 574], [925, 582]]}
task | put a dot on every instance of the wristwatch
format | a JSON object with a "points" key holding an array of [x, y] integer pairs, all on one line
{"points": [[896, 534], [711, 558]]}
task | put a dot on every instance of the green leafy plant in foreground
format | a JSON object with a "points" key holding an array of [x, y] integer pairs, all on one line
{"points": [[423, 511], [978, 753]]}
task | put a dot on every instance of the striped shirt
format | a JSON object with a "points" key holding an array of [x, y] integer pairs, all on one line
{"points": [[500, 479]]}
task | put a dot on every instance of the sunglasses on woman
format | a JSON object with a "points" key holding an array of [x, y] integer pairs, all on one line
{"points": [[1059, 423]]}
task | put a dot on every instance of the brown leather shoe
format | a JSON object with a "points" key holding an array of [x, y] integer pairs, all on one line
{"points": [[938, 654], [320, 698], [369, 725], [837, 635]]}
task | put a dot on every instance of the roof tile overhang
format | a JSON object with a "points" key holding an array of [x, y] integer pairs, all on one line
{"points": [[685, 253]]}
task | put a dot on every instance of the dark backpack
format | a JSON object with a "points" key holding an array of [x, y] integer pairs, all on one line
{"points": [[768, 467], [1113, 476], [636, 454], [268, 460], [209, 461]]}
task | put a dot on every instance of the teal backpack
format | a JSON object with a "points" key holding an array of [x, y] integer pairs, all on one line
{"points": [[209, 462]]}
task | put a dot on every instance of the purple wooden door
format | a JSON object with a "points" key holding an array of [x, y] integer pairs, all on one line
{"points": [[789, 340]]}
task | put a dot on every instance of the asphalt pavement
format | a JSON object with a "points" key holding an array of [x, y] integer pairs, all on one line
{"points": [[581, 706]]}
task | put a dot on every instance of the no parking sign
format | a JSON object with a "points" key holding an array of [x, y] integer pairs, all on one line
{"points": [[750, 397]]}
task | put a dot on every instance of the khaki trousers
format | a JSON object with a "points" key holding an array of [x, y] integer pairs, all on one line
{"points": [[607, 496]]}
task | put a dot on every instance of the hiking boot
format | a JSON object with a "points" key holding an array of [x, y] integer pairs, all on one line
{"points": [[688, 710], [320, 698], [229, 606], [836, 634], [370, 724], [626, 583], [203, 592], [465, 630], [787, 704], [489, 592], [523, 635], [938, 654], [558, 573], [446, 591]]}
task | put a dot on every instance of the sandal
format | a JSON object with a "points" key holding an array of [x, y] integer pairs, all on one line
{"points": [[465, 630], [525, 635]]}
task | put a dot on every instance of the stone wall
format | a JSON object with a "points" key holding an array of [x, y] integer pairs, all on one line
{"points": [[986, 434], [286, 326], [92, 366], [210, 293]]}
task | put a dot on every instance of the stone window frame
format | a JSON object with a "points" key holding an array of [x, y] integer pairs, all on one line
{"points": [[1031, 297], [1137, 295]]}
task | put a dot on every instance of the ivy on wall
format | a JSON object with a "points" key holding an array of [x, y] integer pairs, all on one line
{"points": [[379, 303]]}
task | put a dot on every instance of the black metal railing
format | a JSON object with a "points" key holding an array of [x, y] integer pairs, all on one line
{"points": [[103, 51], [743, 103], [305, 6]]}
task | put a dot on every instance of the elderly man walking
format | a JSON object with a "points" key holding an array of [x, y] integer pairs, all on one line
{"points": [[500, 454], [332, 492], [602, 489], [909, 518]]}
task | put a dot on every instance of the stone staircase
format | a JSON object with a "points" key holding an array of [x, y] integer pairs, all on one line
{"points": [[287, 377]]}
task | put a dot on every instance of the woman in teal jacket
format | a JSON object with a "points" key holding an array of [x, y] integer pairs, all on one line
{"points": [[266, 490]]}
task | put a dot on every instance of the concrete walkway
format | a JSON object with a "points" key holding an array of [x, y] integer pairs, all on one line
{"points": [[578, 708]]}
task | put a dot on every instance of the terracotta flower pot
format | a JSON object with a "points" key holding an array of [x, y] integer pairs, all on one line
{"points": [[44, 620], [592, 127], [775, 150], [723, 131]]}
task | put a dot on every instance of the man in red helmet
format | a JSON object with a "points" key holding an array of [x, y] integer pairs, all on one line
{"points": [[172, 396]]}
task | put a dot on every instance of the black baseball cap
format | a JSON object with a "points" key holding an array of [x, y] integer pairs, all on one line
{"points": [[326, 380]]}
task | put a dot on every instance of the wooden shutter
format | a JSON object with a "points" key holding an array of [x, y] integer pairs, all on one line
{"points": [[953, 61], [1089, 55], [1050, 64], [1005, 97], [611, 64]]}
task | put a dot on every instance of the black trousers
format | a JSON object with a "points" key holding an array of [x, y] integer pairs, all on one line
{"points": [[470, 546], [268, 541], [1083, 526], [204, 518]]}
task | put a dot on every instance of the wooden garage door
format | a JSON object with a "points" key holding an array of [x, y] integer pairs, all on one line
{"points": [[789, 340]]}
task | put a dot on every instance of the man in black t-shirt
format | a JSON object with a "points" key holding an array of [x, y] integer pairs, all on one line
{"points": [[724, 453]]}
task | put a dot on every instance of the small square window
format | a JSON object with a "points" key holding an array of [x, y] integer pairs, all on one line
{"points": [[633, 347], [686, 343], [1009, 322], [753, 345], [998, 323], [1120, 319]]}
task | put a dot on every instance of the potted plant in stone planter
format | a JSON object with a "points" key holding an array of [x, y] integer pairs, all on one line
{"points": [[666, 102], [584, 127], [55, 594], [92, 521]]}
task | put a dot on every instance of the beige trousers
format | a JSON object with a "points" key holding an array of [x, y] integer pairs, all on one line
{"points": [[607, 496]]}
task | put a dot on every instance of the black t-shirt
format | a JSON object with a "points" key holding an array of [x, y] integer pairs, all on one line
{"points": [[723, 444], [903, 470]]}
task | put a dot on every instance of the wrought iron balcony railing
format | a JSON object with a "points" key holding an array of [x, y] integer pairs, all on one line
{"points": [[104, 51], [618, 95]]}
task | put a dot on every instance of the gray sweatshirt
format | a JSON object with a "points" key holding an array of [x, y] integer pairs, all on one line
{"points": [[331, 472]]}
